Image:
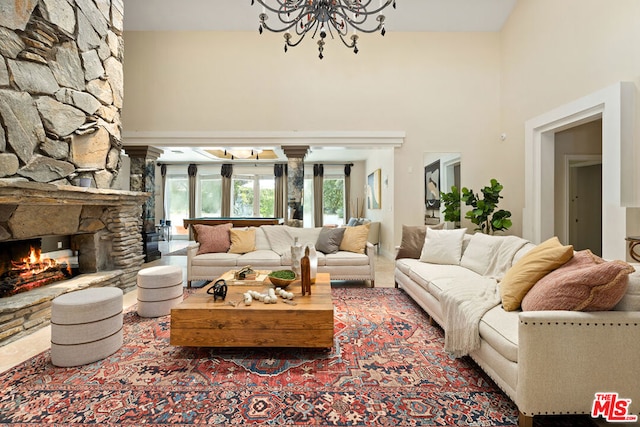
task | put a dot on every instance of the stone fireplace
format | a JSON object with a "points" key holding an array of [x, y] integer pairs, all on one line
{"points": [[61, 96], [104, 226]]}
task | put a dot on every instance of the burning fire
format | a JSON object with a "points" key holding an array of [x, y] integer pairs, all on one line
{"points": [[34, 263]]}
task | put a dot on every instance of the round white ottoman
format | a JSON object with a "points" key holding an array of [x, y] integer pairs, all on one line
{"points": [[86, 326], [159, 289]]}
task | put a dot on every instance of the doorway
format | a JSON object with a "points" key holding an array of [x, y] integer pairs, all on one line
{"points": [[585, 205], [615, 106]]}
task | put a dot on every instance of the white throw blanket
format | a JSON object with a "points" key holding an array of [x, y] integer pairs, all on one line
{"points": [[463, 306]]}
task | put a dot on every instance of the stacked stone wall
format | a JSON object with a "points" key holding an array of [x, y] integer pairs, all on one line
{"points": [[61, 91]]}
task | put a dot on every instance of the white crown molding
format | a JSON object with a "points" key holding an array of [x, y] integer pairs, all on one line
{"points": [[353, 139]]}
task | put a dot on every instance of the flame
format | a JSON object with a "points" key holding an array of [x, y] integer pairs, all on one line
{"points": [[34, 263]]}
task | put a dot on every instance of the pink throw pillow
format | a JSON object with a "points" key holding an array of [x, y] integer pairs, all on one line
{"points": [[213, 238], [585, 283]]}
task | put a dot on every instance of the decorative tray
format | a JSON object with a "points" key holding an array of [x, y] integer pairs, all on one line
{"points": [[258, 280]]}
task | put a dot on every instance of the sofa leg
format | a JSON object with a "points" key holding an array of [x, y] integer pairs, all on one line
{"points": [[373, 283], [396, 283], [188, 283], [524, 420]]}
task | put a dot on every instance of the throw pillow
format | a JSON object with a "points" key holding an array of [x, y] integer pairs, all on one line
{"points": [[242, 240], [443, 246], [533, 266], [585, 283], [481, 250], [329, 240], [355, 239], [279, 238], [213, 238], [413, 240]]}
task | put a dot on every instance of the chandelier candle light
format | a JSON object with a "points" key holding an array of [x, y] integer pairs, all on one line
{"points": [[323, 17]]}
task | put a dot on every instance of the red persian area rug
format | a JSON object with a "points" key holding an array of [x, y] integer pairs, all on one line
{"points": [[387, 368]]}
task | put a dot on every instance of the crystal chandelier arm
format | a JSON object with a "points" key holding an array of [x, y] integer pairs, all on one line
{"points": [[284, 10], [360, 7], [356, 17]]}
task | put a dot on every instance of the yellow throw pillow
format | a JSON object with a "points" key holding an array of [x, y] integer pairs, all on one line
{"points": [[242, 240], [533, 266], [355, 239]]}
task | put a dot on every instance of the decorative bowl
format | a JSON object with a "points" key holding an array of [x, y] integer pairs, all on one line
{"points": [[281, 282]]}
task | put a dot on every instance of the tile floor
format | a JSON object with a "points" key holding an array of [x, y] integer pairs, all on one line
{"points": [[16, 352]]}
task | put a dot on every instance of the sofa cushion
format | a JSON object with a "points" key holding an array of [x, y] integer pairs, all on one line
{"points": [[306, 236], [443, 246], [279, 238], [440, 277], [329, 239], [406, 264], [631, 299], [413, 240], [480, 251], [355, 239], [262, 242], [346, 258], [260, 258], [441, 285], [585, 283], [215, 259], [213, 238], [533, 266], [499, 329], [243, 240]]}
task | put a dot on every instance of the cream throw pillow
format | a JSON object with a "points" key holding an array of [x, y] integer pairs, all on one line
{"points": [[355, 239], [533, 266], [481, 249], [443, 246], [242, 240]]}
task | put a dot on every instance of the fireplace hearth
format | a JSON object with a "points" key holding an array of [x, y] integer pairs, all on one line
{"points": [[104, 231]]}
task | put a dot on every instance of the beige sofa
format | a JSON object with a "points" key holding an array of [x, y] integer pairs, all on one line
{"points": [[273, 251], [547, 362]]}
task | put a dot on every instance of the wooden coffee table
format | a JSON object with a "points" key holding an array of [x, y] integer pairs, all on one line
{"points": [[199, 321]]}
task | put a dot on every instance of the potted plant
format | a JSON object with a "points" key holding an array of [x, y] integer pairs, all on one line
{"points": [[451, 203], [483, 212]]}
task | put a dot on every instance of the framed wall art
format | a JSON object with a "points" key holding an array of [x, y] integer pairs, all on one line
{"points": [[374, 191], [432, 185]]}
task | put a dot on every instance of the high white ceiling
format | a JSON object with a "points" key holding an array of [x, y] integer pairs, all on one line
{"points": [[239, 15]]}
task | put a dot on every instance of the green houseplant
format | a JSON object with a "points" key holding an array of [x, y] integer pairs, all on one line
{"points": [[483, 212], [451, 202]]}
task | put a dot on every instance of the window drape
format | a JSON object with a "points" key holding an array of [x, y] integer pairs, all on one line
{"points": [[163, 174], [192, 170], [226, 171], [347, 191], [279, 194], [318, 208]]}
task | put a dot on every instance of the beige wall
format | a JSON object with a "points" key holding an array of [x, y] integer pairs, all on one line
{"points": [[554, 52], [442, 89], [448, 92]]}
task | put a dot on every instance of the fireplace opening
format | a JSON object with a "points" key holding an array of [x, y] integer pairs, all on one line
{"points": [[32, 263]]}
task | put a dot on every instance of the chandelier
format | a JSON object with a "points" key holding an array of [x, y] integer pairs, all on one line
{"points": [[296, 18]]}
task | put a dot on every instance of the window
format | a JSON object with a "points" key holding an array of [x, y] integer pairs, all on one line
{"points": [[252, 195], [210, 196], [177, 202], [333, 200]]}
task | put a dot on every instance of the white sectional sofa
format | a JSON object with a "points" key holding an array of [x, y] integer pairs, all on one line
{"points": [[548, 362], [273, 251]]}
